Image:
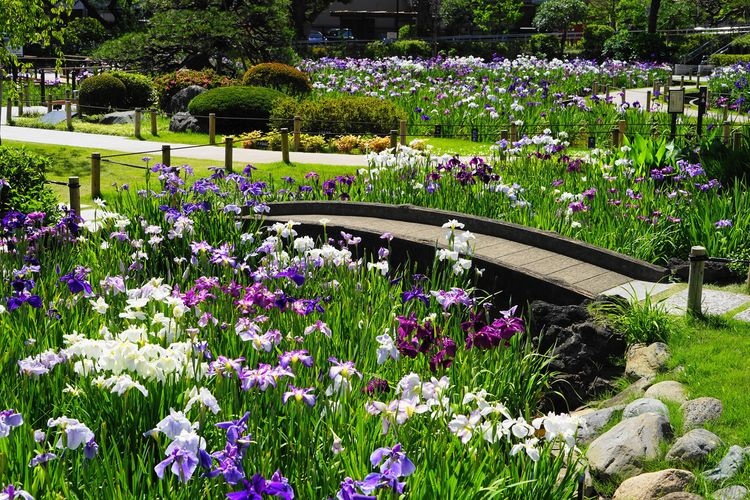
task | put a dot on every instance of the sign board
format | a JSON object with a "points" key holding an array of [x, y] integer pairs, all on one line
{"points": [[592, 142], [438, 131], [474, 134], [676, 101], [391, 35]]}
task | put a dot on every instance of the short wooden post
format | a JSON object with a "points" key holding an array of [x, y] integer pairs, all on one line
{"points": [[606, 91], [394, 139], [698, 81], [285, 145], [402, 131], [26, 96], [228, 147], [623, 91], [96, 166], [682, 81], [725, 114], [74, 193], [19, 106], [622, 127], [49, 105], [9, 111], [154, 126], [695, 280], [648, 101], [665, 94], [736, 140], [504, 134], [68, 115], [615, 137], [212, 128], [166, 155], [656, 87], [297, 131], [725, 133], [513, 132], [137, 121]]}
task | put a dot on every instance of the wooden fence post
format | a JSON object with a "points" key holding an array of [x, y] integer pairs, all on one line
{"points": [[402, 131], [285, 145], [296, 132], [68, 115], [726, 132], [622, 127], [74, 193], [154, 127], [623, 91], [695, 280], [504, 134], [736, 140], [228, 146], [394, 139], [513, 132], [166, 155], [137, 121], [648, 101], [9, 111], [725, 113], [19, 106], [96, 166], [615, 137], [212, 128]]}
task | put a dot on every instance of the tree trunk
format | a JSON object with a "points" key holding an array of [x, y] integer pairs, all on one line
{"points": [[653, 15]]}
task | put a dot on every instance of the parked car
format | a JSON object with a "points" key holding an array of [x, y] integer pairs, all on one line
{"points": [[340, 34], [316, 37]]}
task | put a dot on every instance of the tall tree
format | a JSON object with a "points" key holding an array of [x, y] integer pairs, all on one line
{"points": [[25, 22], [489, 16], [560, 15], [653, 15]]}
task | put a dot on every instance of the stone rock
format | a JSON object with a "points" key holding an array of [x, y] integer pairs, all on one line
{"points": [[635, 390], [582, 352], [735, 492], [118, 118], [694, 446], [593, 423], [645, 405], [714, 273], [669, 390], [621, 450], [181, 99], [697, 412], [645, 360], [654, 485], [184, 122], [728, 466], [681, 495], [55, 117]]}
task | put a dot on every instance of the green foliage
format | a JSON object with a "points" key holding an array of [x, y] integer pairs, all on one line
{"points": [[559, 15], [340, 115], [407, 31], [629, 46], [139, 90], [403, 48], [491, 16], [542, 45], [125, 50], [83, 35], [100, 93], [728, 59], [741, 45], [25, 22], [594, 37], [169, 84], [282, 77], [485, 50], [237, 108], [647, 153], [24, 173], [640, 321]]}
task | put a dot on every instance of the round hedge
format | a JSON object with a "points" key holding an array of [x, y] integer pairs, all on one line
{"points": [[25, 188], [101, 93], [237, 108], [340, 115], [139, 91], [283, 77], [169, 84]]}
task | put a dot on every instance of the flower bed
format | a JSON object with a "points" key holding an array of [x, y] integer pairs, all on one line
{"points": [[172, 351]]}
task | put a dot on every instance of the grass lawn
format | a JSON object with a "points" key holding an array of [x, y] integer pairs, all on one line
{"points": [[70, 161]]}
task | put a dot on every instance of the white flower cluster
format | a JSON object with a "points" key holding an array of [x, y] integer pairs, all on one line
{"points": [[458, 244]]}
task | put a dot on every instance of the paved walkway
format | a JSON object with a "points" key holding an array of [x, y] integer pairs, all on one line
{"points": [[128, 145]]}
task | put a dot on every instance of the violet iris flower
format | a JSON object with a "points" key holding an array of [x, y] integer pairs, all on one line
{"points": [[8, 420], [277, 486], [181, 462], [300, 394], [11, 493], [76, 280]]}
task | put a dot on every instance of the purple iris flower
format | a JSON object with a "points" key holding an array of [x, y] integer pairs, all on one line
{"points": [[723, 223], [76, 280], [182, 463], [41, 459], [90, 449], [230, 463], [416, 293], [11, 493], [300, 394], [349, 491], [235, 428], [277, 486], [293, 357], [8, 420], [393, 460]]}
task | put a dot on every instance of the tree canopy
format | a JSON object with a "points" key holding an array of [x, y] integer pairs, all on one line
{"points": [[25, 22]]}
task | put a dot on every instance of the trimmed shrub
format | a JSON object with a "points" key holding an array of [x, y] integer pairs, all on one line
{"points": [[340, 115], [26, 191], [169, 84], [544, 45], [101, 93], [728, 59], [237, 108], [282, 77], [627, 46], [139, 91], [594, 36], [403, 48]]}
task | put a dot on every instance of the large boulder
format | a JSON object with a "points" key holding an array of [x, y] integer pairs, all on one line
{"points": [[181, 99], [669, 390], [645, 361], [592, 423], [697, 412], [622, 450], [184, 122], [735, 492], [645, 405], [732, 462], [681, 495], [583, 352], [118, 118], [654, 485], [694, 446]]}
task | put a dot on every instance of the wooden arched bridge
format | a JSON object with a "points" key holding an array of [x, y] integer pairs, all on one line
{"points": [[523, 262]]}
